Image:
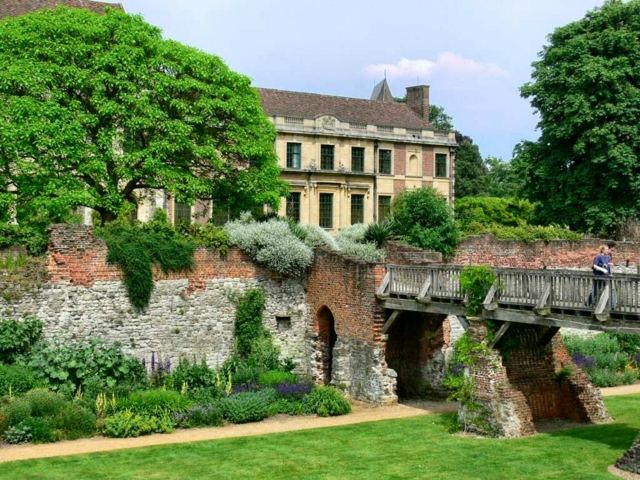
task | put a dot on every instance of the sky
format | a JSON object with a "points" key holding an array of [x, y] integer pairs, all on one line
{"points": [[474, 54]]}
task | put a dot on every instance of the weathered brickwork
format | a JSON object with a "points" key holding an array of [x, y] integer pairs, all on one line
{"points": [[346, 288], [402, 254], [523, 381], [630, 461], [400, 159], [486, 249]]}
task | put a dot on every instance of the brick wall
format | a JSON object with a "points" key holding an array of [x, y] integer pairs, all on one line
{"points": [[402, 254], [486, 249], [399, 159], [79, 258], [428, 157], [519, 385], [346, 287]]}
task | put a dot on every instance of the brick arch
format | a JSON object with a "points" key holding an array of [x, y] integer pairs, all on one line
{"points": [[327, 337]]}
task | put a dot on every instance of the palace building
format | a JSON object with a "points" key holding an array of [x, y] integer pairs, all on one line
{"points": [[345, 159]]}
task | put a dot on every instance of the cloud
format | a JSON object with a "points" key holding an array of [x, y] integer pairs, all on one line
{"points": [[447, 62]]}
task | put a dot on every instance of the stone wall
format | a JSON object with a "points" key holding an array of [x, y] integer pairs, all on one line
{"points": [[525, 380], [486, 249], [630, 461], [190, 313], [346, 287]]}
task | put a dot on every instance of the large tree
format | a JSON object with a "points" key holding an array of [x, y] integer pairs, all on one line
{"points": [[585, 168], [96, 108], [471, 172]]}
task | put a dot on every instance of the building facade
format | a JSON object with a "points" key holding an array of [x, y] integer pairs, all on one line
{"points": [[345, 159]]}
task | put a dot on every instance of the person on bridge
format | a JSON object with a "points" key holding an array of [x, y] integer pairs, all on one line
{"points": [[601, 267]]}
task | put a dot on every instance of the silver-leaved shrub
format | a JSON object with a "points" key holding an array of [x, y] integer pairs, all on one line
{"points": [[271, 243]]}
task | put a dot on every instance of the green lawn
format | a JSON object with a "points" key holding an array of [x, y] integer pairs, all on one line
{"points": [[413, 448]]}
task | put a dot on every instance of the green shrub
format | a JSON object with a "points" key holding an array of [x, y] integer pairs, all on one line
{"points": [[194, 375], [45, 403], [75, 421], [476, 281], [271, 243], [271, 378], [509, 212], [286, 406], [33, 238], [207, 235], [423, 218], [606, 362], [628, 342], [17, 337], [77, 366], [17, 379], [16, 411], [326, 402], [247, 407], [17, 434], [155, 402], [206, 395], [524, 233], [127, 424], [201, 415], [40, 428]]}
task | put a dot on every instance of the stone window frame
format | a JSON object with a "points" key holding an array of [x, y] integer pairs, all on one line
{"points": [[354, 159], [388, 170], [182, 212], [387, 208], [293, 207], [357, 211], [441, 166], [327, 157], [293, 155], [325, 208]]}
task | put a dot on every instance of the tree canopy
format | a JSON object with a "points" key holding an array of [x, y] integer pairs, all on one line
{"points": [[585, 168], [471, 171], [439, 119], [96, 108]]}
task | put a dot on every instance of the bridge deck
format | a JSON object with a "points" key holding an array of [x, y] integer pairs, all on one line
{"points": [[562, 298]]}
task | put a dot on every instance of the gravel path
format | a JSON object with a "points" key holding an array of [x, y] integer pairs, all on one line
{"points": [[280, 423]]}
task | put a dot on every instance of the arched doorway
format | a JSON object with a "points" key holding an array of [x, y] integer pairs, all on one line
{"points": [[326, 341]]}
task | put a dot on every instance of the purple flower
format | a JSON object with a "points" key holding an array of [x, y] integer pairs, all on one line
{"points": [[295, 390], [153, 362], [583, 361], [458, 369], [637, 359], [245, 387]]}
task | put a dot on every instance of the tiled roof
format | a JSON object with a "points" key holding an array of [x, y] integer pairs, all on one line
{"points": [[345, 109], [13, 8]]}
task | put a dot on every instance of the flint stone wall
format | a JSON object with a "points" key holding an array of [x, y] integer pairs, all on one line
{"points": [[630, 461], [190, 314]]}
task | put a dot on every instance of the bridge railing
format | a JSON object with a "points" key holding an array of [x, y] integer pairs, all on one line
{"points": [[560, 289]]}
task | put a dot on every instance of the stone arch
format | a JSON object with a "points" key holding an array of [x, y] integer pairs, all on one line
{"points": [[327, 337]]}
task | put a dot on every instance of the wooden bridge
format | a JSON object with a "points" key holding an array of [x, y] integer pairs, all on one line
{"points": [[553, 298]]}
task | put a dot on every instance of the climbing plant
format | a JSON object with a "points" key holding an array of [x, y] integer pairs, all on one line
{"points": [[475, 281], [136, 248]]}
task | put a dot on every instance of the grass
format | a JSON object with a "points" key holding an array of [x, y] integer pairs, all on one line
{"points": [[414, 448]]}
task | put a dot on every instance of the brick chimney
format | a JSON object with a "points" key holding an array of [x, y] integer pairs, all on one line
{"points": [[418, 101]]}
